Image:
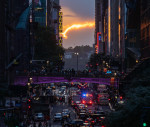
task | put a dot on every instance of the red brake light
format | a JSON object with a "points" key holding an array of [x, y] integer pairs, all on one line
{"points": [[86, 121], [83, 102], [29, 106], [120, 97], [92, 121], [109, 99], [103, 126], [90, 102]]}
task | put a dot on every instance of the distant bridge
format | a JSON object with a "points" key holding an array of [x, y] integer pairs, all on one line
{"points": [[23, 80]]}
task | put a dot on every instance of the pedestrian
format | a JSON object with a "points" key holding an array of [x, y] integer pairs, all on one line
{"points": [[46, 124], [40, 124], [49, 123], [34, 124]]}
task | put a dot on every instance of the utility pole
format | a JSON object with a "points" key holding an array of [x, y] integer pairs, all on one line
{"points": [[77, 60]]}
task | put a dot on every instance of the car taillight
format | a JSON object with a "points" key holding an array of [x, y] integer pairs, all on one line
{"points": [[102, 126], [90, 102], [86, 121], [83, 102], [92, 121]]}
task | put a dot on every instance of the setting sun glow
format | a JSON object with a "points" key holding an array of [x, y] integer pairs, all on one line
{"points": [[78, 26]]}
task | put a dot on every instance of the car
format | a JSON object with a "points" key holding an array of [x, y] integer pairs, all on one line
{"points": [[82, 116], [90, 111], [66, 111], [76, 103], [57, 117], [39, 116], [90, 120], [103, 101], [101, 113], [83, 111], [98, 116], [74, 123], [82, 106], [65, 115], [52, 86], [86, 125]]}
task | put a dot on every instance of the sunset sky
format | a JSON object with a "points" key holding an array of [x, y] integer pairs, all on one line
{"points": [[78, 12]]}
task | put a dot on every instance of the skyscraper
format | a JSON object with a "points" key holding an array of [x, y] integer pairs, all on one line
{"points": [[145, 28], [100, 7]]}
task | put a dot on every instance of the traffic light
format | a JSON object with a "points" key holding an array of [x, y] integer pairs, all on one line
{"points": [[29, 100], [144, 124], [121, 97], [29, 107], [29, 104]]}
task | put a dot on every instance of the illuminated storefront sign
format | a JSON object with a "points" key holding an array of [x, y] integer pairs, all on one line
{"points": [[112, 81], [60, 22], [60, 32], [99, 39], [96, 49], [60, 41]]}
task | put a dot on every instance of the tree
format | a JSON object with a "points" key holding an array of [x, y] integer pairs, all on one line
{"points": [[46, 46], [131, 113]]}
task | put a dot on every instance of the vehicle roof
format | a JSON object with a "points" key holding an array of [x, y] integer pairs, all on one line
{"points": [[58, 113]]}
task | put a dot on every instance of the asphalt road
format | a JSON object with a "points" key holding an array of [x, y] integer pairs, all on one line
{"points": [[59, 106]]}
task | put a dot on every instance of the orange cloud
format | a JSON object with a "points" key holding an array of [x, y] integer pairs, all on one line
{"points": [[78, 26]]}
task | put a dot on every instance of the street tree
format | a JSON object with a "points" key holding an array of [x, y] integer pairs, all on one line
{"points": [[135, 111]]}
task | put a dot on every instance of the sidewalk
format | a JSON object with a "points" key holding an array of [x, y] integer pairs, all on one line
{"points": [[2, 124]]}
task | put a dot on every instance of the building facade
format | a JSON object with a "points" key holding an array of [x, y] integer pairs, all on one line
{"points": [[132, 37], [10, 51], [145, 28], [114, 41], [2, 42], [100, 7]]}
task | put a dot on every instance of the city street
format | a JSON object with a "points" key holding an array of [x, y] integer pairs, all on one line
{"points": [[75, 63]]}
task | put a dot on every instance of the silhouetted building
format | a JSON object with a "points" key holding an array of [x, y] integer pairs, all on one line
{"points": [[145, 28], [10, 52], [2, 41], [115, 41], [100, 7], [133, 53], [47, 14]]}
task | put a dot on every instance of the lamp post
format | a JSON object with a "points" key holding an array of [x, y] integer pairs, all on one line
{"points": [[77, 59]]}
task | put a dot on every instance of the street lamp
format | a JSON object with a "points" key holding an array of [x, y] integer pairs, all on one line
{"points": [[28, 84], [77, 59]]}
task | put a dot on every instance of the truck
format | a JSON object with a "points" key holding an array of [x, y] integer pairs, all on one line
{"points": [[103, 99]]}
